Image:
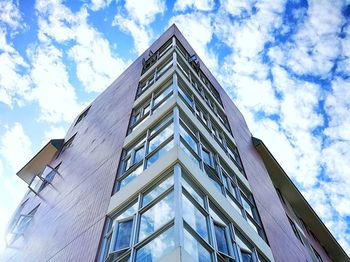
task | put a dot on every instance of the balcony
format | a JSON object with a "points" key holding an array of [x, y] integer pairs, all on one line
{"points": [[37, 171]]}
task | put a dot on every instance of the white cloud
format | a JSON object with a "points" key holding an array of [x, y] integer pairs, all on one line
{"points": [[316, 44], [52, 89], [140, 34], [99, 4], [202, 5], [54, 132], [10, 14], [137, 19], [13, 84], [237, 7], [144, 12], [97, 66], [202, 25], [15, 147], [337, 105]]}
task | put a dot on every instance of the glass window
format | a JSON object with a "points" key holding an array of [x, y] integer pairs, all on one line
{"points": [[190, 153], [129, 211], [159, 189], [195, 218], [127, 163], [160, 152], [193, 192], [164, 68], [21, 224], [187, 98], [234, 202], [161, 137], [163, 94], [131, 176], [139, 153], [190, 140], [157, 216], [206, 156], [157, 248], [160, 125], [123, 234], [245, 248], [195, 248], [220, 236], [246, 256], [247, 206]]}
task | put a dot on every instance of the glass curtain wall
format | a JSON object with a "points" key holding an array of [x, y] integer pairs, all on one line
{"points": [[173, 211]]}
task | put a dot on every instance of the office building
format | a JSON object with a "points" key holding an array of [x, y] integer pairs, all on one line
{"points": [[162, 167]]}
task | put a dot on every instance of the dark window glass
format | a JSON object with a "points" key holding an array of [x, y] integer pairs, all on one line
{"points": [[221, 240], [246, 257], [123, 235]]}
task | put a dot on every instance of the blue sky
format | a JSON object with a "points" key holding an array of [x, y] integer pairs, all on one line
{"points": [[284, 63]]}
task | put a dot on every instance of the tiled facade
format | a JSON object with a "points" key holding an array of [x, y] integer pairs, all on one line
{"points": [[160, 167]]}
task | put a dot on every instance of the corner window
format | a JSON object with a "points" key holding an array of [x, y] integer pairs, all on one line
{"points": [[145, 226]]}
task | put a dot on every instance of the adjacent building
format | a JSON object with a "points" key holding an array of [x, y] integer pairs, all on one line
{"points": [[162, 167]]}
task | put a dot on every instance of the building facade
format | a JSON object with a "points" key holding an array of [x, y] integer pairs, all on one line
{"points": [[162, 167]]}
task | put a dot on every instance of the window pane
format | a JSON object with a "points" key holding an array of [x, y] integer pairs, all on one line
{"points": [[189, 153], [163, 95], [127, 163], [157, 190], [195, 218], [139, 153], [185, 97], [193, 192], [221, 240], [247, 206], [160, 152], [216, 217], [123, 235], [251, 223], [128, 211], [131, 176], [195, 249], [160, 125], [21, 225], [157, 216], [188, 138], [146, 109], [157, 248], [206, 157], [246, 257], [233, 202], [161, 137]]}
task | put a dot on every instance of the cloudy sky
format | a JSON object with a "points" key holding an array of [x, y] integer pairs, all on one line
{"points": [[285, 64]]}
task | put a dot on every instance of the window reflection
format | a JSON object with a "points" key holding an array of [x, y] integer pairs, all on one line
{"points": [[193, 192], [221, 240], [160, 152], [155, 192], [123, 234], [157, 248], [161, 137], [131, 176], [194, 217], [157, 216], [195, 249]]}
